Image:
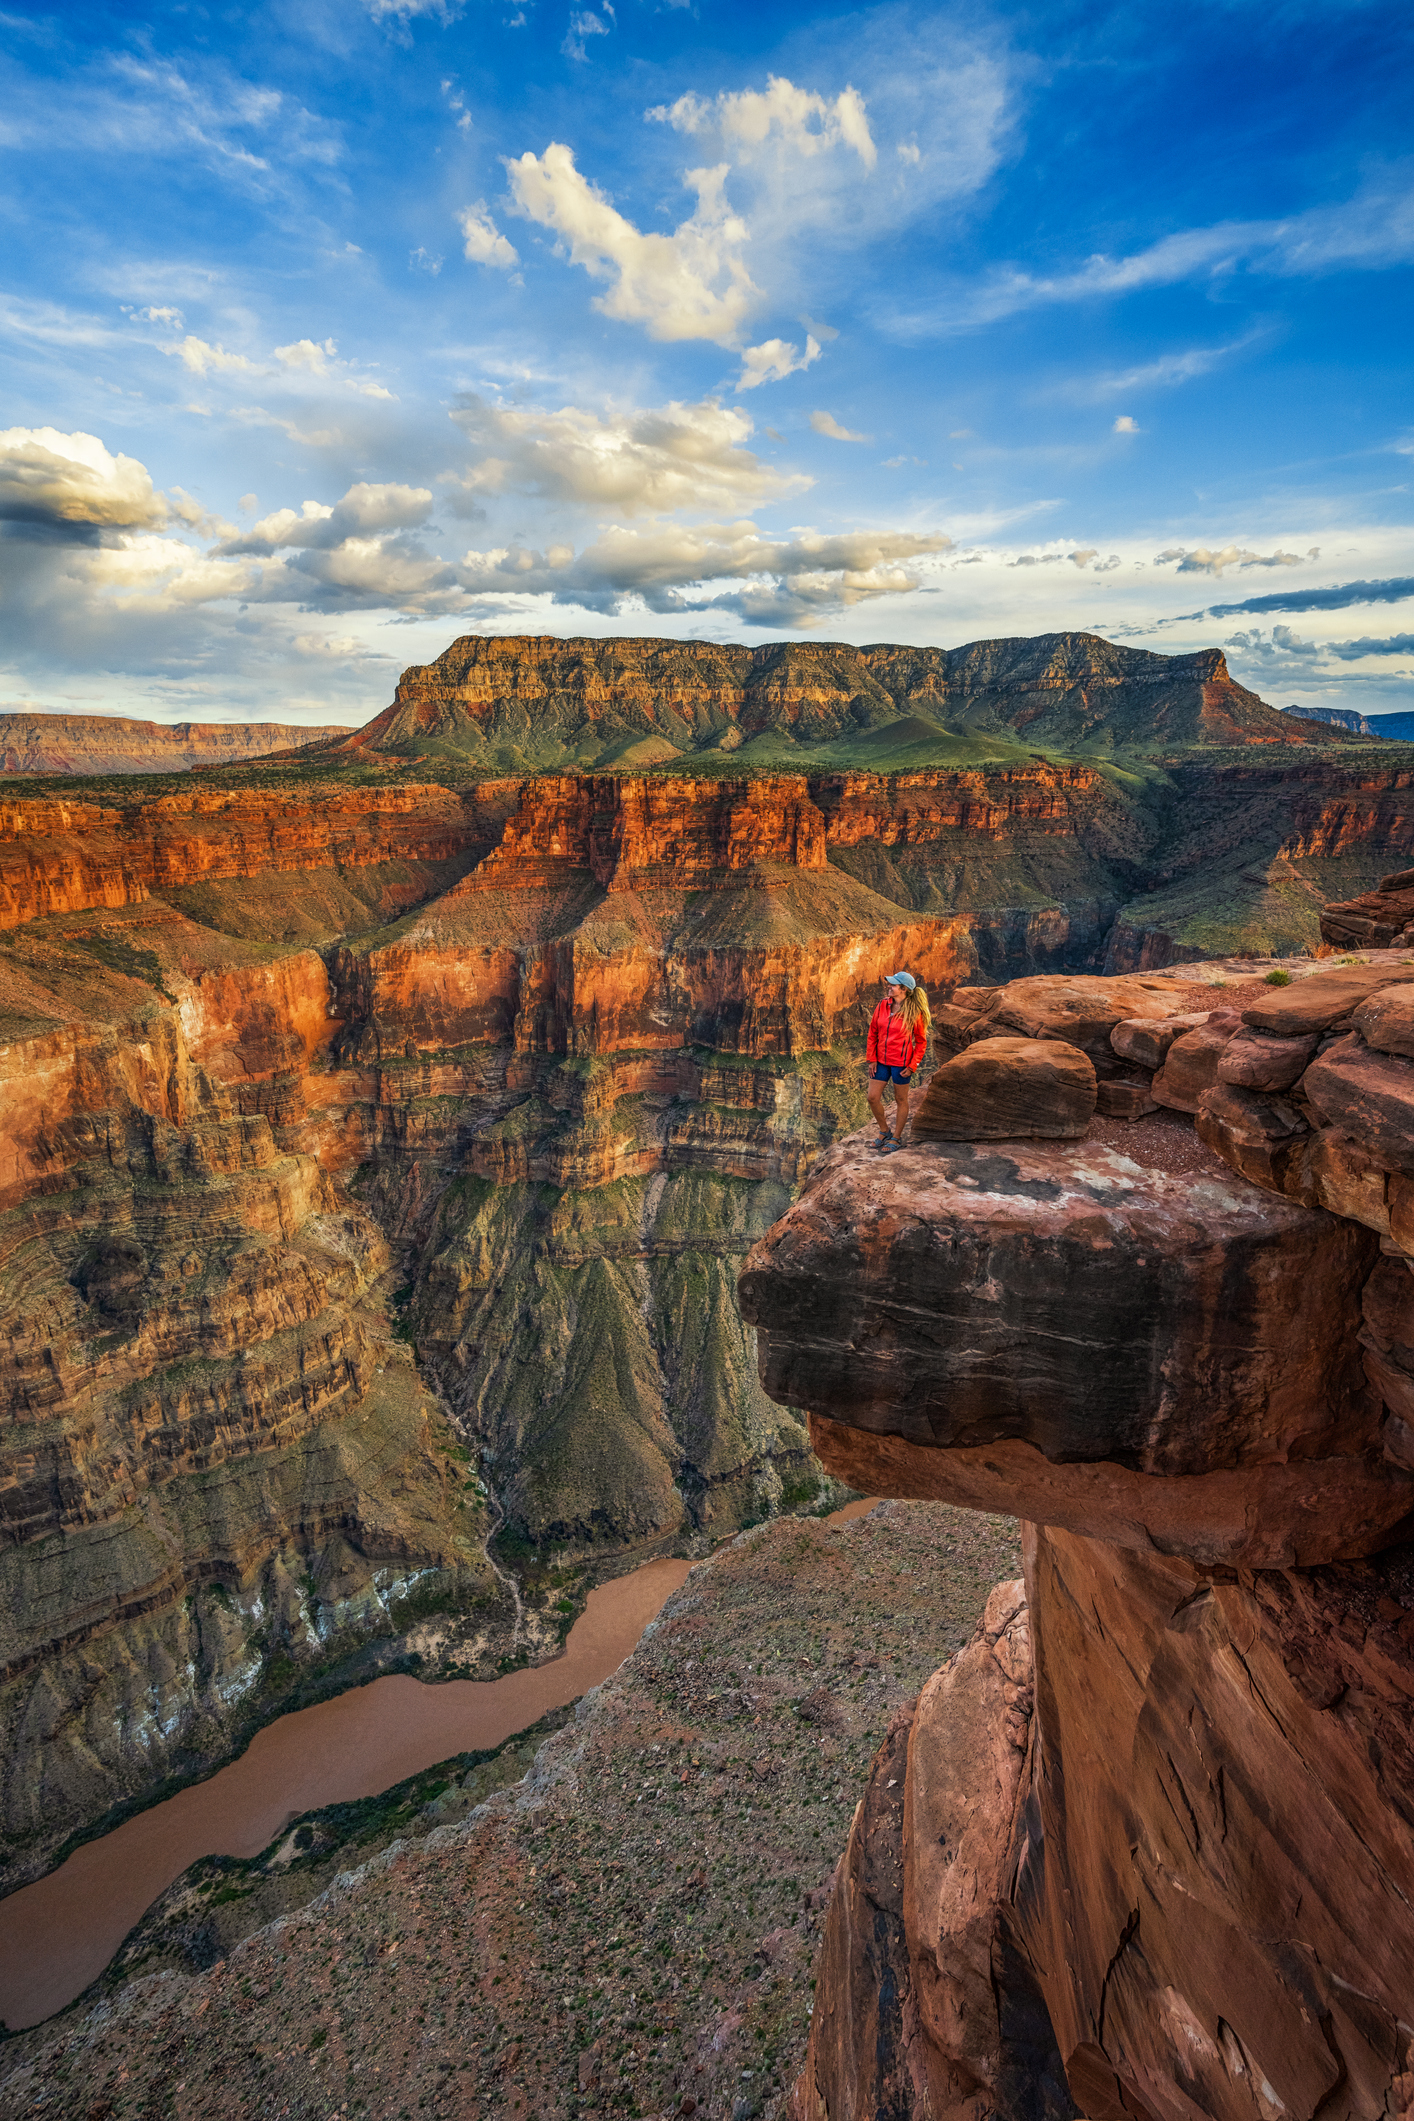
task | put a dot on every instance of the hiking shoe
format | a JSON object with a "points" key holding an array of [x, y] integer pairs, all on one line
{"points": [[885, 1141]]}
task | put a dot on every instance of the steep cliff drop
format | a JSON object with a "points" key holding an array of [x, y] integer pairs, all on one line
{"points": [[1146, 1847]]}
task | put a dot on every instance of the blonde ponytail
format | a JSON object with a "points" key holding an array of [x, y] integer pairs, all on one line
{"points": [[915, 1010]]}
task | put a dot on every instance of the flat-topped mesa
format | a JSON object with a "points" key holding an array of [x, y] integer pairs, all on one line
{"points": [[586, 696], [1156, 1836]]}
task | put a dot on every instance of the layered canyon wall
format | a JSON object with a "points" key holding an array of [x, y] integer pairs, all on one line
{"points": [[1146, 1848], [56, 744], [531, 1128]]}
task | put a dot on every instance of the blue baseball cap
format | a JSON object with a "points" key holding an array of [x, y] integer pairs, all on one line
{"points": [[900, 979]]}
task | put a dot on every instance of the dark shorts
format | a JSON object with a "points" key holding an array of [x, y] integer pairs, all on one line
{"points": [[891, 1075]]}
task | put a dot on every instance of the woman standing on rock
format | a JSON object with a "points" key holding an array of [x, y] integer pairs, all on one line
{"points": [[898, 1035]]}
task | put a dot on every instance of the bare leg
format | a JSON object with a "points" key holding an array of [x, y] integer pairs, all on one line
{"points": [[900, 1109], [876, 1105]]}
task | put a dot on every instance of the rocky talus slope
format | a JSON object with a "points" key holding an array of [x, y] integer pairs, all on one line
{"points": [[111, 743], [1146, 1275]]}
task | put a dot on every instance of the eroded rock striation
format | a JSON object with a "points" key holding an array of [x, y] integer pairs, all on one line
{"points": [[1147, 1847]]}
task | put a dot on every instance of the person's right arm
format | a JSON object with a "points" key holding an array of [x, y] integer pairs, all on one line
{"points": [[870, 1055]]}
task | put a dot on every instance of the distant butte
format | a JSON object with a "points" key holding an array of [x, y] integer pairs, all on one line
{"points": [[102, 744]]}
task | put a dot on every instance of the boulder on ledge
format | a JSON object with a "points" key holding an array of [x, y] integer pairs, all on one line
{"points": [[1006, 1089], [1061, 1331]]}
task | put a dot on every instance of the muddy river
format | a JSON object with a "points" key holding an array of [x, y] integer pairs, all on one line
{"points": [[59, 1933]]}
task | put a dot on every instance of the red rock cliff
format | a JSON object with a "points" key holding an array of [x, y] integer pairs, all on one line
{"points": [[1155, 1847]]}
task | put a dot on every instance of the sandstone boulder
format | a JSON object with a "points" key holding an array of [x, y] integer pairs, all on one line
{"points": [[1339, 1175], [1125, 1097], [952, 1025], [1386, 1021], [1081, 1009], [1191, 1065], [1370, 1098], [1258, 1136], [1255, 1060], [1005, 1088], [1146, 1040], [1324, 999], [1063, 1295]]}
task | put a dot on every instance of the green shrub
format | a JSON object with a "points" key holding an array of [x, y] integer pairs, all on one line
{"points": [[1278, 978]]}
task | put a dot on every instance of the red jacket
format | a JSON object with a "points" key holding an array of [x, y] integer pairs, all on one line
{"points": [[891, 1044]]}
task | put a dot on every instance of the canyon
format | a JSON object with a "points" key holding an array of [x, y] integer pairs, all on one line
{"points": [[384, 1127]]}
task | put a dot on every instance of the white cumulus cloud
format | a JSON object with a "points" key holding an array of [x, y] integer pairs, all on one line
{"points": [[825, 423], [51, 478], [364, 511], [1202, 559], [652, 460], [794, 118], [201, 358], [483, 242], [676, 568], [692, 284], [774, 360]]}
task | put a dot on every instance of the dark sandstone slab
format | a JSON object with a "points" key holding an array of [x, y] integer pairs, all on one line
{"points": [[1255, 1060], [1271, 1516], [1324, 999], [1191, 1064], [1005, 1088], [1063, 1295], [1146, 1040], [1386, 1021], [1080, 1008], [1369, 1097]]}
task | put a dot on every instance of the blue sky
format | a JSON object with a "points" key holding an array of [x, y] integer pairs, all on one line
{"points": [[331, 329]]}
